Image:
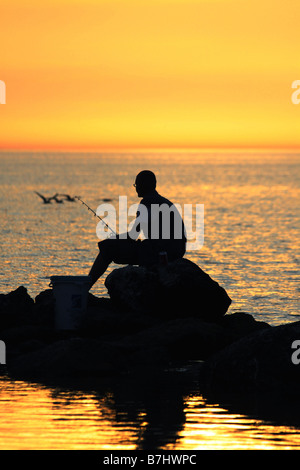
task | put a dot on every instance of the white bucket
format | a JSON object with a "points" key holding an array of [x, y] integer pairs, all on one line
{"points": [[71, 294]]}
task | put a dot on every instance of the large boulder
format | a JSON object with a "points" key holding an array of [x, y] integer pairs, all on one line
{"points": [[260, 362], [180, 289]]}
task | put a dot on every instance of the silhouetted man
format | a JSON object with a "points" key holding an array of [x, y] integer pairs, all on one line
{"points": [[159, 221]]}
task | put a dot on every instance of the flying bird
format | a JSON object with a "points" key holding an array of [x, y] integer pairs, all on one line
{"points": [[67, 197], [59, 201], [47, 200]]}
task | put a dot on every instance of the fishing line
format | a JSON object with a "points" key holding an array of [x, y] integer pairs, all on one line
{"points": [[96, 215]]}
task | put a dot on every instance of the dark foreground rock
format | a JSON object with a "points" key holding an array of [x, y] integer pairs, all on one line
{"points": [[259, 363], [73, 357], [152, 318], [111, 341], [180, 289], [15, 308]]}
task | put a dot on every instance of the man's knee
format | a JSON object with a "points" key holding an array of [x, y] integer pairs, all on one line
{"points": [[107, 249], [121, 251]]}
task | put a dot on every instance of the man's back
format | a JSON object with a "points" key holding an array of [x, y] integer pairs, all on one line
{"points": [[162, 223]]}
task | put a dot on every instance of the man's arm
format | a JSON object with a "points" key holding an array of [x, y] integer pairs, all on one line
{"points": [[140, 224], [134, 232]]}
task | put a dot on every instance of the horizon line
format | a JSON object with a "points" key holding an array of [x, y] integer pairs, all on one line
{"points": [[126, 148]]}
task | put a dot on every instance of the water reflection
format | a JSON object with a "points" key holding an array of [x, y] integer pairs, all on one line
{"points": [[146, 411], [161, 401], [139, 412]]}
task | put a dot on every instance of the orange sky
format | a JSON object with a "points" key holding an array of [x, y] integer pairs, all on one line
{"points": [[149, 73]]}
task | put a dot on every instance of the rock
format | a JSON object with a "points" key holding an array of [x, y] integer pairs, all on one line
{"points": [[190, 338], [180, 289], [259, 362], [15, 308], [133, 288], [18, 334], [189, 291], [122, 333], [104, 318], [20, 339], [182, 338], [44, 311], [69, 358], [144, 344], [240, 324]]}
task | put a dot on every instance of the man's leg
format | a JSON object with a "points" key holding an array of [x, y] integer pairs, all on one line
{"points": [[99, 267], [120, 251]]}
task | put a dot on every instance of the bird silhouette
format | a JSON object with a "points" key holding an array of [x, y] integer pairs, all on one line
{"points": [[55, 197], [67, 197], [46, 200]]}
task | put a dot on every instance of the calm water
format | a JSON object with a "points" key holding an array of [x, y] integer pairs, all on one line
{"points": [[251, 247]]}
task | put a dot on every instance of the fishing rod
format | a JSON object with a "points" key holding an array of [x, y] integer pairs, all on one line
{"points": [[96, 215]]}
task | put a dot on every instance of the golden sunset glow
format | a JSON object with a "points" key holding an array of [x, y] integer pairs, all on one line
{"points": [[73, 421], [159, 73]]}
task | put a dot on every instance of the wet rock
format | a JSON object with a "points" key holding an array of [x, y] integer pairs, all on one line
{"points": [[259, 362], [180, 289]]}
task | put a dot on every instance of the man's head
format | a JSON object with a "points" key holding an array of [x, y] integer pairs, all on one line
{"points": [[145, 182]]}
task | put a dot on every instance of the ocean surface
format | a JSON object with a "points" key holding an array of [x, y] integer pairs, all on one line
{"points": [[251, 248]]}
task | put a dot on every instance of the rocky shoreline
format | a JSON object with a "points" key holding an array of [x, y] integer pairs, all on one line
{"points": [[152, 318]]}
